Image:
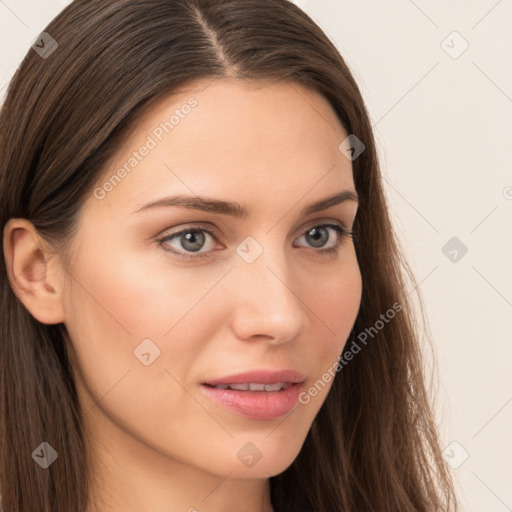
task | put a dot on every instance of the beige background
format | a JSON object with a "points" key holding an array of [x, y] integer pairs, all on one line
{"points": [[443, 123]]}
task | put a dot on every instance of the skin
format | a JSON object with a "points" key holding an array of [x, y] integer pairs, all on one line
{"points": [[158, 442]]}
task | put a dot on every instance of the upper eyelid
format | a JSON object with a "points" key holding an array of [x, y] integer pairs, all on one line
{"points": [[208, 228]]}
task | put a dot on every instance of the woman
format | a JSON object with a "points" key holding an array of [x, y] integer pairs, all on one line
{"points": [[204, 305]]}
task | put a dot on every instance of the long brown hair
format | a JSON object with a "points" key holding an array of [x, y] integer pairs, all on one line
{"points": [[373, 445]]}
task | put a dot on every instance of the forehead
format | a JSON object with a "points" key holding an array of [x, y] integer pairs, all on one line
{"points": [[232, 138]]}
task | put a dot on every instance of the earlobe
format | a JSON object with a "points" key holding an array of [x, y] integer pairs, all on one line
{"points": [[33, 271]]}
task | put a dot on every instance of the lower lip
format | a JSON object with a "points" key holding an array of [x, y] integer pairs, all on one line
{"points": [[258, 405]]}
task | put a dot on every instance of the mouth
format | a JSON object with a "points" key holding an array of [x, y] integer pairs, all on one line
{"points": [[253, 386], [255, 401], [259, 394]]}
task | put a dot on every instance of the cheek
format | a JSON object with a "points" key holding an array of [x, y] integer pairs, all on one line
{"points": [[136, 296], [119, 301], [336, 302], [116, 303]]}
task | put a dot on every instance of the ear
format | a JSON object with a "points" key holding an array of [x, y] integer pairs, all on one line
{"points": [[33, 271]]}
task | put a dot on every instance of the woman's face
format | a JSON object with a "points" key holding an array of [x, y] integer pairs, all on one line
{"points": [[153, 316]]}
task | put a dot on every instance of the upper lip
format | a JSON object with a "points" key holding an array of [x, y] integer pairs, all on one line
{"points": [[259, 377]]}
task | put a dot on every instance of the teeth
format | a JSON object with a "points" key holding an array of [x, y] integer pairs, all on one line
{"points": [[275, 387], [240, 387], [254, 386]]}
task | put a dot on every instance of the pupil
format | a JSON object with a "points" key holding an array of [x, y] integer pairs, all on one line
{"points": [[318, 235], [193, 237]]}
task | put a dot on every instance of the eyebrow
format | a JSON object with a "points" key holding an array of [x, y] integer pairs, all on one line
{"points": [[236, 210]]}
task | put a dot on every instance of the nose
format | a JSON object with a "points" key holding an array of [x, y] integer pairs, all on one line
{"points": [[267, 298]]}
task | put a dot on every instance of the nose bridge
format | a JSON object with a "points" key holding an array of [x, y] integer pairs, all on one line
{"points": [[267, 303]]}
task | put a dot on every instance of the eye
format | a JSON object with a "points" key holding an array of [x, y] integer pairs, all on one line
{"points": [[318, 235], [192, 240]]}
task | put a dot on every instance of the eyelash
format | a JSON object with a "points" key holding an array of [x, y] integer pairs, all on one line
{"points": [[342, 233]]}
